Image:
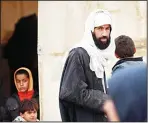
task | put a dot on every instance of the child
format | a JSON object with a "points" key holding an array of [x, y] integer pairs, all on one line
{"points": [[28, 111], [24, 84], [125, 50]]}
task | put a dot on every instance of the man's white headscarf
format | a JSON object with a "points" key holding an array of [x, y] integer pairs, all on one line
{"points": [[97, 59]]}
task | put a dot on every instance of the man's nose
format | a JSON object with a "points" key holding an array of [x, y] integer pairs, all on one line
{"points": [[104, 33]]}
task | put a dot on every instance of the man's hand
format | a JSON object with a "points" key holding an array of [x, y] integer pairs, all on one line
{"points": [[110, 110]]}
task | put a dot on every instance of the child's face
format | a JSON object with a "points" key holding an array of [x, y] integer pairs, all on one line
{"points": [[30, 116], [22, 82]]}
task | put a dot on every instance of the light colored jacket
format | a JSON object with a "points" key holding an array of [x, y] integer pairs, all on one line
{"points": [[20, 119]]}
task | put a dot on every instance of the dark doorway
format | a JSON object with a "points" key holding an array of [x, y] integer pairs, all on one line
{"points": [[21, 49]]}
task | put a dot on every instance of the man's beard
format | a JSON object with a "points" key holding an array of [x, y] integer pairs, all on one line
{"points": [[101, 45]]}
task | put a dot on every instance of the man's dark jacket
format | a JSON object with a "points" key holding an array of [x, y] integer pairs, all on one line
{"points": [[81, 93]]}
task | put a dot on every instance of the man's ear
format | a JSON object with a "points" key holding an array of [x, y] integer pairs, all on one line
{"points": [[116, 55], [134, 50]]}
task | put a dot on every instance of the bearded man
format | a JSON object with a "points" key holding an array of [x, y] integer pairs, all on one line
{"points": [[83, 90]]}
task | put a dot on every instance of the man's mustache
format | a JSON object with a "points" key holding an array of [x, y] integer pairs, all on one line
{"points": [[104, 37]]}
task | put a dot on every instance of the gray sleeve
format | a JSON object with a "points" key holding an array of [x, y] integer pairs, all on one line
{"points": [[12, 107]]}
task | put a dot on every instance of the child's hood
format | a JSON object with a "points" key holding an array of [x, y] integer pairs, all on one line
{"points": [[30, 78]]}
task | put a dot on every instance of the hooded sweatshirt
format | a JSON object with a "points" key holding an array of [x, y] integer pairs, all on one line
{"points": [[30, 92]]}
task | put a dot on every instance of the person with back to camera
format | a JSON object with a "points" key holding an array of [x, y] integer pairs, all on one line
{"points": [[125, 50]]}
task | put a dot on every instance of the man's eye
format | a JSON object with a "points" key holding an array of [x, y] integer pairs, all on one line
{"points": [[99, 28], [108, 28]]}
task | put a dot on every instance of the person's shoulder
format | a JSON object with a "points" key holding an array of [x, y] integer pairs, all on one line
{"points": [[36, 95], [131, 70], [12, 103], [12, 97], [79, 51], [18, 119], [127, 62]]}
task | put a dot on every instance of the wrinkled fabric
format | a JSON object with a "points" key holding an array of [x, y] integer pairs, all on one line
{"points": [[81, 93], [128, 89], [82, 90], [126, 62]]}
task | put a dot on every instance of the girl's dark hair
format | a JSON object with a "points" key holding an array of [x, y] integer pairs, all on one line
{"points": [[22, 72]]}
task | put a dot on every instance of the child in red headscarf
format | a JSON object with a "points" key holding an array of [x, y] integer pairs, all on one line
{"points": [[24, 84]]}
